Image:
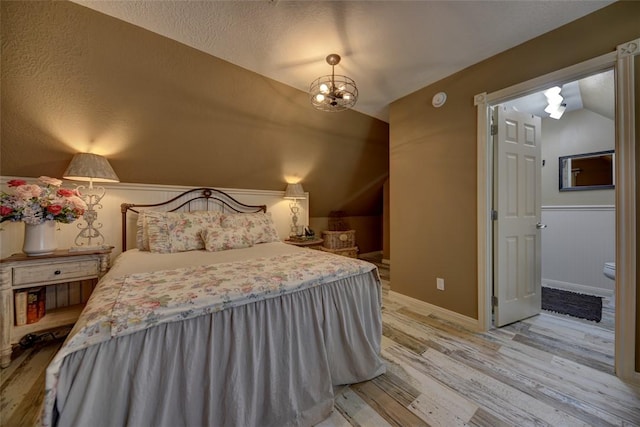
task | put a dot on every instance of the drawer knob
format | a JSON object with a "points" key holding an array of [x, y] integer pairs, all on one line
{"points": [[57, 272]]}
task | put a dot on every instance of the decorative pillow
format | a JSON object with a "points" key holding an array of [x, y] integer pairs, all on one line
{"points": [[259, 226], [168, 232], [185, 229], [217, 238]]}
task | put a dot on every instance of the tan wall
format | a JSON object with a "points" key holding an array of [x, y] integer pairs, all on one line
{"points": [[637, 108], [386, 225], [433, 150], [76, 80]]}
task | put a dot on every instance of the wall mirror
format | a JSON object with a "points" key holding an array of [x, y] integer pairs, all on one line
{"points": [[590, 171]]}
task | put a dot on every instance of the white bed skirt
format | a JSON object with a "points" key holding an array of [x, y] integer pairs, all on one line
{"points": [[268, 363]]}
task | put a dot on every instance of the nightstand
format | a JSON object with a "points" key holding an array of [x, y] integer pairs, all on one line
{"points": [[20, 271], [307, 243]]}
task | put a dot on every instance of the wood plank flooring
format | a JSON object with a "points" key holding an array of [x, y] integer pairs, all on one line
{"points": [[549, 370], [22, 383]]}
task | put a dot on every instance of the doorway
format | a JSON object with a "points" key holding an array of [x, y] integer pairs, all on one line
{"points": [[622, 61], [554, 234]]}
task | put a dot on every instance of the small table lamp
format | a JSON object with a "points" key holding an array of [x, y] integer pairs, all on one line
{"points": [[294, 192], [90, 167]]}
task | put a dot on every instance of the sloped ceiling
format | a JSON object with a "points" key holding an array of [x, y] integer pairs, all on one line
{"points": [[595, 93], [390, 48], [598, 94]]}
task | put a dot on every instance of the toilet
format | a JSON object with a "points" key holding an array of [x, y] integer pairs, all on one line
{"points": [[609, 270]]}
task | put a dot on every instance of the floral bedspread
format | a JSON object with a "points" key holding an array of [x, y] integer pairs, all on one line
{"points": [[123, 305]]}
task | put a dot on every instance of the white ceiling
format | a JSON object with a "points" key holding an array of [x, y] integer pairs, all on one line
{"points": [[390, 48], [595, 93]]}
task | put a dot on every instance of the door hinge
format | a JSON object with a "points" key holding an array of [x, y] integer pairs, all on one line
{"points": [[494, 215], [494, 300], [494, 130]]}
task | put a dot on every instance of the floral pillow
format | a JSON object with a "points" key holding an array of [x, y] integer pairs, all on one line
{"points": [[157, 231], [142, 231], [185, 228], [217, 238], [259, 226], [142, 238], [168, 232]]}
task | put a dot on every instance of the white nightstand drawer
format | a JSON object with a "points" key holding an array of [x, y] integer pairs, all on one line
{"points": [[61, 271]]}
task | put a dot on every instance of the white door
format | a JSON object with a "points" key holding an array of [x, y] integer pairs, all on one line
{"points": [[517, 206]]}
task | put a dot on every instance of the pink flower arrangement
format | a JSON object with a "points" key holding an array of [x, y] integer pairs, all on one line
{"points": [[37, 203]]}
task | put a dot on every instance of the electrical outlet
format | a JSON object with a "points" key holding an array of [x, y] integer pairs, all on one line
{"points": [[440, 284]]}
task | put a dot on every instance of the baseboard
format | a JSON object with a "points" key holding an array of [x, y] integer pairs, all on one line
{"points": [[426, 308], [574, 287]]}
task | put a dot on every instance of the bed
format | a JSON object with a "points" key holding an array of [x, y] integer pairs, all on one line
{"points": [[213, 321]]}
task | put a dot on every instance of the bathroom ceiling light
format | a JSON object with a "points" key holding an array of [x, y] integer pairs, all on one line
{"points": [[559, 111], [553, 95], [555, 106]]}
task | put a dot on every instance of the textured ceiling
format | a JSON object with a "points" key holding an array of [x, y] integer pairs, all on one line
{"points": [[598, 94], [390, 48]]}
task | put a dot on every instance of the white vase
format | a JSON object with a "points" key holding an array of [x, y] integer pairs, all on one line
{"points": [[40, 239]]}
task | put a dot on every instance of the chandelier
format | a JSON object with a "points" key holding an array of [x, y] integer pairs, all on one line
{"points": [[333, 92]]}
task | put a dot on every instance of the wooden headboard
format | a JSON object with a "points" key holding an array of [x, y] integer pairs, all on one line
{"points": [[208, 199]]}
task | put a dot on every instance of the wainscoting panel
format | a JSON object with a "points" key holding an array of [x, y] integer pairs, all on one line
{"points": [[577, 242]]}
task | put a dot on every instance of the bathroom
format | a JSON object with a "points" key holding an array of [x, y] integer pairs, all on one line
{"points": [[578, 244]]}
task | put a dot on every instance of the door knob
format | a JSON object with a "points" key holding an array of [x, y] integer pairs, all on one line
{"points": [[540, 226]]}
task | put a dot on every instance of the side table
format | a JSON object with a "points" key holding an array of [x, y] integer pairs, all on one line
{"points": [[306, 243], [20, 271]]}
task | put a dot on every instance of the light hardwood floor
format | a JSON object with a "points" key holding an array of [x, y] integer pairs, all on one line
{"points": [[547, 370]]}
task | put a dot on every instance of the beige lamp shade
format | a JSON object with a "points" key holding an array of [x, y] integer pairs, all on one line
{"points": [[294, 191], [90, 167]]}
